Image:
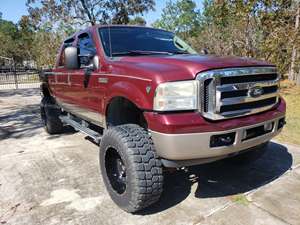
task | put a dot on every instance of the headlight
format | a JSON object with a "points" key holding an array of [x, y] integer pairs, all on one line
{"points": [[172, 96]]}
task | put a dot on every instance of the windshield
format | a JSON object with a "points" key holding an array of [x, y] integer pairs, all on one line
{"points": [[134, 41]]}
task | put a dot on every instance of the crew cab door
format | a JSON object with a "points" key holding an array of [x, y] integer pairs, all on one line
{"points": [[59, 77], [86, 100]]}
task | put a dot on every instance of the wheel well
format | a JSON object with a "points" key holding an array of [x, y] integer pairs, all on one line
{"points": [[122, 111]]}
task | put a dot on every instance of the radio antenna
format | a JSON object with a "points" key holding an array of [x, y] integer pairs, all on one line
{"points": [[109, 38]]}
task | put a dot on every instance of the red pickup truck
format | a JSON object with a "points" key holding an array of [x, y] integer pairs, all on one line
{"points": [[151, 102]]}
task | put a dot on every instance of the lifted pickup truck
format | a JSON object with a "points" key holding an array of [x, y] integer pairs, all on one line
{"points": [[151, 102]]}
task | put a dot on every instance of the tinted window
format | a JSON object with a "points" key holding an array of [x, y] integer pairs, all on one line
{"points": [[69, 42], [86, 45], [126, 39], [86, 49]]}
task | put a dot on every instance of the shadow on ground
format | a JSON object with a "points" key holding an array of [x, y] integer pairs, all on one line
{"points": [[222, 178], [24, 121], [21, 122], [22, 92]]}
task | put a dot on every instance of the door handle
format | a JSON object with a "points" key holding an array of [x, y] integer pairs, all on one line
{"points": [[86, 80], [87, 75]]}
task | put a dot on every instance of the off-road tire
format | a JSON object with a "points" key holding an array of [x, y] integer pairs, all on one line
{"points": [[50, 116], [250, 155], [144, 176]]}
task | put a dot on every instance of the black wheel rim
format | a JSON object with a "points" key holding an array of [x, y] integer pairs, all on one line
{"points": [[116, 170]]}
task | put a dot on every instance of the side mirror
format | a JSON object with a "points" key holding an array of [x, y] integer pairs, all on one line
{"points": [[96, 62], [71, 58], [92, 63]]}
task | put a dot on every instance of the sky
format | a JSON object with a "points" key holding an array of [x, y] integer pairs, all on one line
{"points": [[13, 10]]}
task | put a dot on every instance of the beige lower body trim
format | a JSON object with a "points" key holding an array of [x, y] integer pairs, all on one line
{"points": [[197, 145], [83, 113]]}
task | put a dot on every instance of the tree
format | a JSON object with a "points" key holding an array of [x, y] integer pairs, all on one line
{"points": [[292, 72], [60, 13], [51, 21], [262, 29], [8, 39], [22, 43], [45, 48], [26, 38], [181, 17], [137, 21], [122, 10]]}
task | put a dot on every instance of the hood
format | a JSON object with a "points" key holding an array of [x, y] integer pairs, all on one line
{"points": [[184, 67]]}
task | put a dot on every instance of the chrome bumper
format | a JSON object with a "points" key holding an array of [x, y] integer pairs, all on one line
{"points": [[193, 146]]}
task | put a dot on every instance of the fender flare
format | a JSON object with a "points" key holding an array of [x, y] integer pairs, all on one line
{"points": [[131, 92]]}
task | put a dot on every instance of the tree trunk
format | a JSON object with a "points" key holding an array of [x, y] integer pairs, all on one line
{"points": [[88, 13], [292, 75]]}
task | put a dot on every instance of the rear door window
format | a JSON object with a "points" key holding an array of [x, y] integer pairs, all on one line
{"points": [[86, 48], [86, 45]]}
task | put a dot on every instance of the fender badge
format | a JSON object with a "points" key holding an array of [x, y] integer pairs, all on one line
{"points": [[148, 89], [103, 80]]}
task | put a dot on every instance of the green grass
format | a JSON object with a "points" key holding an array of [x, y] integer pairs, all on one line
{"points": [[240, 198], [291, 132]]}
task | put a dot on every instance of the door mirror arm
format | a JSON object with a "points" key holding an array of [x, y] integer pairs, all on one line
{"points": [[88, 69], [93, 63], [87, 74]]}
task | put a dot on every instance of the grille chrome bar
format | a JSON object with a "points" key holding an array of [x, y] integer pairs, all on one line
{"points": [[240, 100], [242, 86], [224, 100], [245, 112]]}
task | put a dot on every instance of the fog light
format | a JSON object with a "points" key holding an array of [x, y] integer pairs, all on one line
{"points": [[268, 126], [222, 140]]}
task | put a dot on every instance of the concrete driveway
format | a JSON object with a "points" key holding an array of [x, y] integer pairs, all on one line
{"points": [[55, 180]]}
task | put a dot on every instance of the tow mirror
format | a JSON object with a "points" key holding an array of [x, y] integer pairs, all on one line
{"points": [[96, 62], [71, 58], [90, 62], [89, 67]]}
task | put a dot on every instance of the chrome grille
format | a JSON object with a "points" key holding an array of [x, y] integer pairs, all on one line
{"points": [[234, 92]]}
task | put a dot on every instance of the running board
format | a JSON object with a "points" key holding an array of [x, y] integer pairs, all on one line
{"points": [[77, 126]]}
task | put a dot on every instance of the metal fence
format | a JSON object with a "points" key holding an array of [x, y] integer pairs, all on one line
{"points": [[18, 78]]}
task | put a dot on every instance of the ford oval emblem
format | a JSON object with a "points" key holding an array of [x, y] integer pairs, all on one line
{"points": [[255, 92]]}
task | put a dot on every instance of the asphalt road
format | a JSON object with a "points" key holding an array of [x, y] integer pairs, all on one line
{"points": [[55, 180]]}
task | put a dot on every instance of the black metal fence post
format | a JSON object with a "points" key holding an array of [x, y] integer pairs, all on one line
{"points": [[15, 75], [18, 77]]}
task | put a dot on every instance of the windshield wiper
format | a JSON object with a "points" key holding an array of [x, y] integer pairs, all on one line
{"points": [[140, 52]]}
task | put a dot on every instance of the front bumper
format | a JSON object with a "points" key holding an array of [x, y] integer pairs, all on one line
{"points": [[195, 146], [193, 122]]}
